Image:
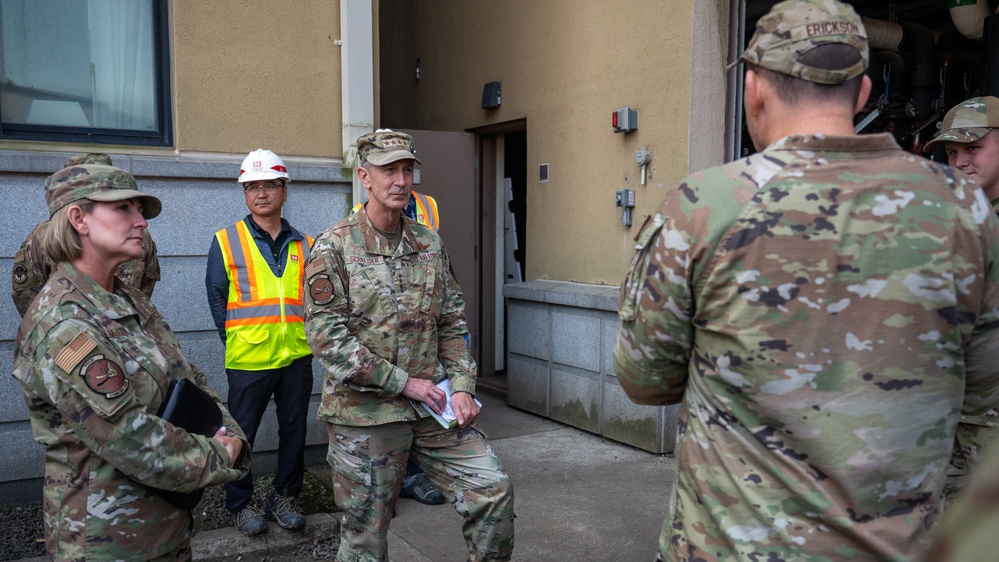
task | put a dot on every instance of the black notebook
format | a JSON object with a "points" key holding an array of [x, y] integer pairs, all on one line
{"points": [[190, 408]]}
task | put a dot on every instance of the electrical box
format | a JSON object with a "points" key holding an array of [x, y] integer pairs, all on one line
{"points": [[491, 96], [624, 119], [625, 198]]}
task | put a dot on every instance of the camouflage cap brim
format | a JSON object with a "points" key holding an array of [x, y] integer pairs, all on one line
{"points": [[381, 159], [151, 205], [962, 136]]}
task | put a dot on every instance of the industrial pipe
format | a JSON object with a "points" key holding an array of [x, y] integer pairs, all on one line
{"points": [[970, 19]]}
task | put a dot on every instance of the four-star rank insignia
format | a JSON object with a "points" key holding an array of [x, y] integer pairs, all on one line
{"points": [[321, 289]]}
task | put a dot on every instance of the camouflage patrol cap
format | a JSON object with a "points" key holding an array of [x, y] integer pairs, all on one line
{"points": [[385, 146], [95, 182], [794, 27], [89, 158], [968, 121]]}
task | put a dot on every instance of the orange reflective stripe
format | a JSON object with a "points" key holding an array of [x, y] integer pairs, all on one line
{"points": [[263, 302], [256, 321], [251, 266], [303, 255], [226, 246], [426, 210]]}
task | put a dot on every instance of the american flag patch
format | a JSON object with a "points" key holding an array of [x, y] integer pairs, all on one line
{"points": [[74, 353]]}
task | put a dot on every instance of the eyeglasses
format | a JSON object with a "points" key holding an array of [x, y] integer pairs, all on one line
{"points": [[268, 188]]}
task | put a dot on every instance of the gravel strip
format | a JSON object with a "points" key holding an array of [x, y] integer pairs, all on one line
{"points": [[23, 534]]}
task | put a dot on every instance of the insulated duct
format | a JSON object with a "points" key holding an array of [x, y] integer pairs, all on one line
{"points": [[882, 35], [970, 19]]}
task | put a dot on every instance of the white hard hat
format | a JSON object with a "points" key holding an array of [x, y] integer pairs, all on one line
{"points": [[262, 165]]}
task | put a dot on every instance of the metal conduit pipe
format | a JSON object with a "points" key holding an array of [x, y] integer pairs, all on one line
{"points": [[970, 19]]}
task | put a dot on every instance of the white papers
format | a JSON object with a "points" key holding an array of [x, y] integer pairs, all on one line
{"points": [[446, 418]]}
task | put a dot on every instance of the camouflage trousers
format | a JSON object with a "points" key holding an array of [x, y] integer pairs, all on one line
{"points": [[369, 463], [182, 554], [974, 434]]}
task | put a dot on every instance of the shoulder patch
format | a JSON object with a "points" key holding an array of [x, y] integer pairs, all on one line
{"points": [[321, 289], [314, 266], [104, 376], [75, 352], [20, 274]]}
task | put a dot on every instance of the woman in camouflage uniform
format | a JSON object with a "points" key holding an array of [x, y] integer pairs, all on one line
{"points": [[95, 358]]}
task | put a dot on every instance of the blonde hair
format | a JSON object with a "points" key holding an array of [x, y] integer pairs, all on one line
{"points": [[60, 241]]}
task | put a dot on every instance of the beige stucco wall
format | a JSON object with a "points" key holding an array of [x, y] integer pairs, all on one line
{"points": [[257, 73], [564, 66]]}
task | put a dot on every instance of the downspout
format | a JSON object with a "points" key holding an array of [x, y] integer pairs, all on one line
{"points": [[357, 82]]}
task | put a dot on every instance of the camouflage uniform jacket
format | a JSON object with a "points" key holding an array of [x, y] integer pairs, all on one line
{"points": [[825, 310], [32, 268], [94, 367], [375, 316]]}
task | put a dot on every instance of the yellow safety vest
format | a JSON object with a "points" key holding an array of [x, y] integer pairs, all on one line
{"points": [[264, 319], [426, 211]]}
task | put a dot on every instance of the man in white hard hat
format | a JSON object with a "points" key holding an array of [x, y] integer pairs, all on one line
{"points": [[254, 282]]}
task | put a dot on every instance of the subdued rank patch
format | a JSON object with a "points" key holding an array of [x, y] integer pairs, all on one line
{"points": [[321, 289], [20, 274], [104, 376]]}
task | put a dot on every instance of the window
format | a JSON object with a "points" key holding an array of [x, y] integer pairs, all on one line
{"points": [[90, 71]]}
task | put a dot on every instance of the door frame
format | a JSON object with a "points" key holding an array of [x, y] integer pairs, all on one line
{"points": [[489, 152]]}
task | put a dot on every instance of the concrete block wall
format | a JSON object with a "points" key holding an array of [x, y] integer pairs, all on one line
{"points": [[200, 195], [560, 340]]}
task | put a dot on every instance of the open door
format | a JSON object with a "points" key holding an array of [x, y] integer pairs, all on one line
{"points": [[448, 174], [479, 181]]}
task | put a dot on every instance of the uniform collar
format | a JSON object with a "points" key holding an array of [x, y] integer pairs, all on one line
{"points": [[831, 143], [114, 305], [259, 232], [376, 244]]}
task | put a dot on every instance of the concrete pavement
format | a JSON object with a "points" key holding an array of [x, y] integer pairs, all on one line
{"points": [[578, 497]]}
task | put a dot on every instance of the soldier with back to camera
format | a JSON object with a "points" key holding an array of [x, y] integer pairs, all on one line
{"points": [[825, 310]]}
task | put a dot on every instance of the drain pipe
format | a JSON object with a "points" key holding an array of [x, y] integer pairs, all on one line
{"points": [[969, 19]]}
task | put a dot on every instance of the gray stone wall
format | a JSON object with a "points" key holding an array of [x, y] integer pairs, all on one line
{"points": [[200, 195], [560, 339]]}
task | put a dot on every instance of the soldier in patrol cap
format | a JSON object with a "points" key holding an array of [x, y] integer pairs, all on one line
{"points": [[385, 318], [968, 135], [824, 310], [31, 268], [94, 359], [972, 146], [422, 208]]}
